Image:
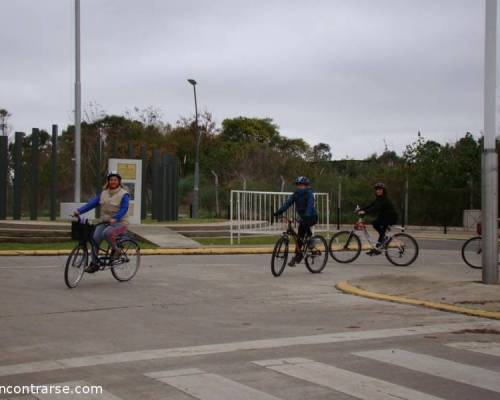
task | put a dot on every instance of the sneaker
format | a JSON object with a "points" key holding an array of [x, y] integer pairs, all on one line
{"points": [[115, 255], [295, 260], [92, 267]]}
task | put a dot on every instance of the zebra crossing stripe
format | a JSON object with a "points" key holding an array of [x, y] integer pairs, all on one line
{"points": [[351, 383], [205, 386], [100, 395], [463, 373], [492, 349], [219, 348]]}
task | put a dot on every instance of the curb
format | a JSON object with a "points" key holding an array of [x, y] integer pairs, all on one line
{"points": [[153, 252], [347, 288]]}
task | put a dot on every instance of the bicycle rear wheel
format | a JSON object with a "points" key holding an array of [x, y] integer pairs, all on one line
{"points": [[345, 247], [316, 254], [129, 262], [401, 250], [472, 252], [75, 265], [280, 256]]}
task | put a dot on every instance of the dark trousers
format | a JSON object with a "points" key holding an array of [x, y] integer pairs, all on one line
{"points": [[305, 229], [381, 225]]}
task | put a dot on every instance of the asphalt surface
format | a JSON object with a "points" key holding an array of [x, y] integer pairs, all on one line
{"points": [[206, 327]]}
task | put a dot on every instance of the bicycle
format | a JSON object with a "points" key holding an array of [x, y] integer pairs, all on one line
{"points": [[314, 258], [123, 268], [472, 252], [400, 249]]}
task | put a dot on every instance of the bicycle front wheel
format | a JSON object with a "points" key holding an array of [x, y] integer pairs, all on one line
{"points": [[75, 266], [280, 256], [402, 250], [472, 252], [128, 264], [316, 254], [345, 247]]}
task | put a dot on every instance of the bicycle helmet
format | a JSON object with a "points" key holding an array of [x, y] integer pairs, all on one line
{"points": [[113, 173], [379, 185], [302, 180]]}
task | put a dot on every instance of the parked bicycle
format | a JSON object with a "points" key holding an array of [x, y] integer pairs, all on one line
{"points": [[123, 268], [400, 249], [314, 249]]}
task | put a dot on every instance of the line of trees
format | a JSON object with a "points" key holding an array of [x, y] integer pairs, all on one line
{"points": [[443, 180]]}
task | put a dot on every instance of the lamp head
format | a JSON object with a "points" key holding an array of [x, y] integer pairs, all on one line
{"points": [[192, 82]]}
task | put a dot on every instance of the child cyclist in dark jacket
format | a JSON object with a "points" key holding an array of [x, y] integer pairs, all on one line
{"points": [[303, 198], [386, 214]]}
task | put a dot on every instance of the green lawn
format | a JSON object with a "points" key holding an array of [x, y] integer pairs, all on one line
{"points": [[55, 246]]}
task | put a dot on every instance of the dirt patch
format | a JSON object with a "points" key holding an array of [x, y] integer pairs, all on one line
{"points": [[481, 302], [484, 331]]}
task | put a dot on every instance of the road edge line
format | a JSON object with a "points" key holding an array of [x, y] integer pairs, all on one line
{"points": [[152, 252], [345, 287]]}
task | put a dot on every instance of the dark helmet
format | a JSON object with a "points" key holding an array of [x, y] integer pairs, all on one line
{"points": [[380, 185], [302, 180], [113, 173]]}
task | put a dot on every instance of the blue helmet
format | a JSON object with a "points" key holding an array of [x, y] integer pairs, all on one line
{"points": [[302, 180]]}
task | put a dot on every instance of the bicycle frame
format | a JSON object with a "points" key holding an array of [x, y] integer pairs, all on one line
{"points": [[360, 226], [102, 261], [291, 232]]}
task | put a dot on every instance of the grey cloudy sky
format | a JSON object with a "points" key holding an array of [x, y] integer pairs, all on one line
{"points": [[351, 73]]}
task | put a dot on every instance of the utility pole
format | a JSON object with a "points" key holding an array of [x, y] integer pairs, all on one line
{"points": [[339, 204], [78, 105], [196, 193], [216, 177], [490, 158]]}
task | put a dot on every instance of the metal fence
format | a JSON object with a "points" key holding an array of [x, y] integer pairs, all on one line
{"points": [[251, 212]]}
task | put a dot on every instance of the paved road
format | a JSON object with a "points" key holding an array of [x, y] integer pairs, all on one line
{"points": [[221, 327]]}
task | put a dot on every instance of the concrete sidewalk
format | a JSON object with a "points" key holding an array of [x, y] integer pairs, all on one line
{"points": [[163, 237], [446, 293]]}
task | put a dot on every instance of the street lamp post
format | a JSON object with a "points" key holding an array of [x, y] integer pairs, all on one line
{"points": [[196, 194], [490, 158], [78, 104]]}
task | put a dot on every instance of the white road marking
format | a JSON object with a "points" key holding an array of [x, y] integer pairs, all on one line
{"points": [[351, 383], [490, 348], [142, 355], [210, 265], [468, 374], [33, 267], [452, 263], [74, 396], [204, 386]]}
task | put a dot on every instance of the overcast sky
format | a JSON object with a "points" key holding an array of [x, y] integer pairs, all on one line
{"points": [[351, 73]]}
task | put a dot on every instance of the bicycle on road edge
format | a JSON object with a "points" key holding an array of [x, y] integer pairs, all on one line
{"points": [[314, 258], [400, 249], [123, 268]]}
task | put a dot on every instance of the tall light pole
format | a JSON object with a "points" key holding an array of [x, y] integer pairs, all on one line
{"points": [[196, 194], [490, 158], [78, 104]]}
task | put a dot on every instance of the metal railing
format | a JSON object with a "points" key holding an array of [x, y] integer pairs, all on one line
{"points": [[251, 212]]}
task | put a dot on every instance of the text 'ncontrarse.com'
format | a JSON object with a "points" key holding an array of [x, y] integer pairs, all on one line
{"points": [[50, 389]]}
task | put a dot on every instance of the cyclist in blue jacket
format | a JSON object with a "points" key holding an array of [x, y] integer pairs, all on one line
{"points": [[303, 198]]}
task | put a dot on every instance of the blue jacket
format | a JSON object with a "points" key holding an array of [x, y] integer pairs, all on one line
{"points": [[304, 203], [94, 202]]}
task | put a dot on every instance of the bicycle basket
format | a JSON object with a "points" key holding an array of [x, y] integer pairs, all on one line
{"points": [[81, 232]]}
